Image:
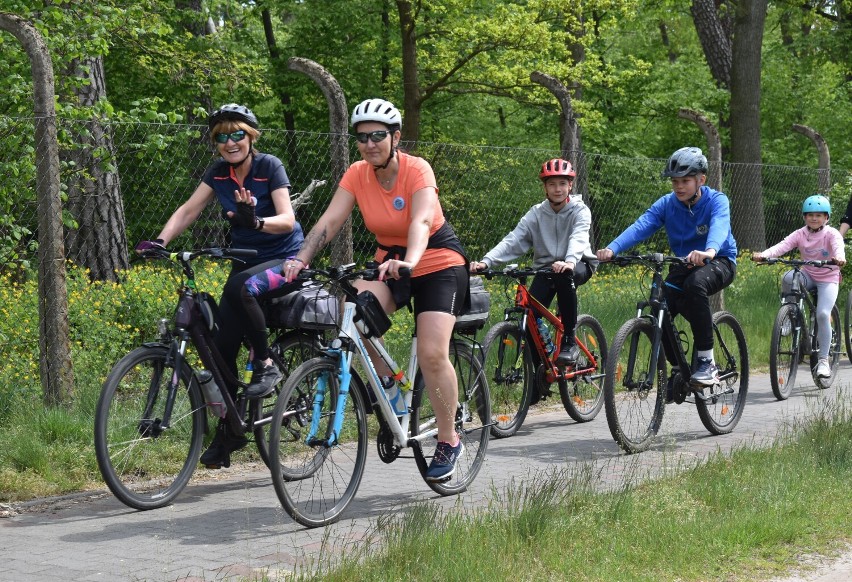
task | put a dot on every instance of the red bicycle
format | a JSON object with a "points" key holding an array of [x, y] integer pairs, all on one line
{"points": [[509, 362]]}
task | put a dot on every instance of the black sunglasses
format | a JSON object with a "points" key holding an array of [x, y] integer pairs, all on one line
{"points": [[236, 136], [374, 136]]}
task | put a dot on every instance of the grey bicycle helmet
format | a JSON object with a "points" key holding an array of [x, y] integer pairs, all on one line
{"points": [[687, 161], [233, 112], [816, 203], [377, 110]]}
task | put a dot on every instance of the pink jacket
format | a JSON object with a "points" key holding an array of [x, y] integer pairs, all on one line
{"points": [[813, 246]]}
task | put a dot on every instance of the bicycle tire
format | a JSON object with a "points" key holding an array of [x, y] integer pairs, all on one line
{"points": [[634, 415], [785, 350], [583, 396], [847, 327], [314, 481], [288, 352], [510, 377], [473, 415], [720, 411], [144, 464], [833, 352]]}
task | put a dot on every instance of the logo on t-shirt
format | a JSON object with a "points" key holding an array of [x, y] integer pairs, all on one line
{"points": [[398, 203], [702, 229]]}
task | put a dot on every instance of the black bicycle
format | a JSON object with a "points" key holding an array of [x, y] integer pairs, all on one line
{"points": [[637, 389], [151, 416], [794, 334]]}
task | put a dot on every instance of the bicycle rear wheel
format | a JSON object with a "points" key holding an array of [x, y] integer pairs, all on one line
{"points": [[510, 377], [785, 349], [145, 463], [315, 474], [473, 414], [583, 396], [833, 352], [288, 352], [721, 406], [634, 395]]}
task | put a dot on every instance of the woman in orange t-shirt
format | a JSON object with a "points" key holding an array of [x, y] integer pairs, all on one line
{"points": [[398, 198]]}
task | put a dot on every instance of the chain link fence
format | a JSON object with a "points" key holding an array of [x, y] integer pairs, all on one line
{"points": [[121, 182]]}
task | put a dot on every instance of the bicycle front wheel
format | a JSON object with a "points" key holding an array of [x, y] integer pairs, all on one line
{"points": [[633, 393], [721, 406], [784, 350], [473, 415], [510, 377], [847, 327], [288, 352], [144, 460], [583, 396], [833, 352], [316, 472]]}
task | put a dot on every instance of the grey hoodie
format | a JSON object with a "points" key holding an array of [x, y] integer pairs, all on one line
{"points": [[562, 236]]}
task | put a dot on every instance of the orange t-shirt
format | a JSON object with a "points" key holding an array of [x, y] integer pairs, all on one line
{"points": [[387, 213]]}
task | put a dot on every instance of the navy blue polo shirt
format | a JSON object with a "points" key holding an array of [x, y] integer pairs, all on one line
{"points": [[266, 175]]}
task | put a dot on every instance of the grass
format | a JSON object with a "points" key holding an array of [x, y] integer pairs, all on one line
{"points": [[746, 515]]}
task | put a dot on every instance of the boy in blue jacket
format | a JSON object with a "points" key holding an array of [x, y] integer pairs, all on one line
{"points": [[697, 220]]}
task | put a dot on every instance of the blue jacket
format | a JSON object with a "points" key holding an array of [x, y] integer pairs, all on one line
{"points": [[704, 225], [266, 175]]}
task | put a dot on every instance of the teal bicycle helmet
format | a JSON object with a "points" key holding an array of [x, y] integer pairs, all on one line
{"points": [[816, 203]]}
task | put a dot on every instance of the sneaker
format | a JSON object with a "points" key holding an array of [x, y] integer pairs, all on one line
{"points": [[823, 370], [218, 454], [706, 374], [568, 355], [263, 380], [443, 464]]}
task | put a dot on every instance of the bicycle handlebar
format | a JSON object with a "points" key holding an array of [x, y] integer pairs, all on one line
{"points": [[215, 252], [517, 272], [796, 262], [347, 272], [651, 258]]}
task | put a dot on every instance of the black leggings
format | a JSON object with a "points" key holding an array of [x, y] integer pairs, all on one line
{"points": [[688, 292], [564, 287], [242, 316]]}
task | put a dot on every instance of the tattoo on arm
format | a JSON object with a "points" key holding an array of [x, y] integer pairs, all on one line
{"points": [[314, 242]]}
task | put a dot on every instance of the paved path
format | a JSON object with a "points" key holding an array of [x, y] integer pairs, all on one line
{"points": [[233, 527]]}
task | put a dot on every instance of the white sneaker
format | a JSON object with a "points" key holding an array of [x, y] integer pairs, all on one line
{"points": [[823, 370]]}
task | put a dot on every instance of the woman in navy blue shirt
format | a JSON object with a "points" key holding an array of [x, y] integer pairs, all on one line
{"points": [[254, 192]]}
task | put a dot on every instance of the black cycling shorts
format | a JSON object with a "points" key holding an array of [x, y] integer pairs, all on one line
{"points": [[444, 291]]}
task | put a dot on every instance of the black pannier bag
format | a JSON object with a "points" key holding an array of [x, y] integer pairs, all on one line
{"points": [[311, 307], [474, 317]]}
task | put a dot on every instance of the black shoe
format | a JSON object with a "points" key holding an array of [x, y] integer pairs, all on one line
{"points": [[218, 454], [568, 355], [263, 380]]}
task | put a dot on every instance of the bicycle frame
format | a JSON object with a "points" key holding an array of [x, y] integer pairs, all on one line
{"points": [[665, 329], [525, 304]]}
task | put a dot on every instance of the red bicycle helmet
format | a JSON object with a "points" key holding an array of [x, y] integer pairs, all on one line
{"points": [[556, 167]]}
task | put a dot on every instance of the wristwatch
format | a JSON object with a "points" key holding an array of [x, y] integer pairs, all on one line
{"points": [[260, 223]]}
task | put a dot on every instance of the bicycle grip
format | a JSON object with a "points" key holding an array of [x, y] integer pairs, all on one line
{"points": [[242, 252]]}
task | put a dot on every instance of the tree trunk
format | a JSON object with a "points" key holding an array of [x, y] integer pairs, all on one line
{"points": [[747, 212], [714, 38], [822, 151], [98, 241], [56, 371], [411, 100], [338, 121]]}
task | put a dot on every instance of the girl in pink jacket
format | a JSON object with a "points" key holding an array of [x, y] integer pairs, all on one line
{"points": [[816, 241]]}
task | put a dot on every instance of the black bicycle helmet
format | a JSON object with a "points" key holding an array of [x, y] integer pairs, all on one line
{"points": [[233, 112], [685, 162]]}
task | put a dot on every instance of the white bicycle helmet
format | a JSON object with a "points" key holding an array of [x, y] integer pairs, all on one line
{"points": [[685, 162], [377, 110]]}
